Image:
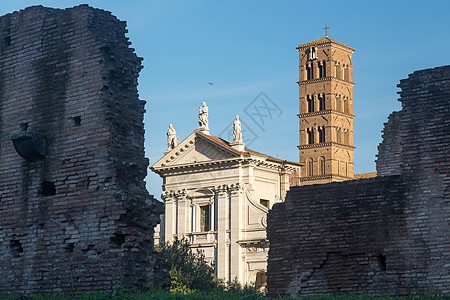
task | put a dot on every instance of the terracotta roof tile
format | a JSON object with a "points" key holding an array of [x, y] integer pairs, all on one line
{"points": [[226, 144]]}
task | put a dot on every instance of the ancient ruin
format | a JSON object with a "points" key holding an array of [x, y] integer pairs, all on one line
{"points": [[74, 211], [387, 235]]}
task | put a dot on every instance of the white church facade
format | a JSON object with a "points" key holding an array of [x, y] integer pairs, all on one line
{"points": [[217, 195]]}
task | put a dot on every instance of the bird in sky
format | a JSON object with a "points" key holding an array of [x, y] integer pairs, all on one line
{"points": [[210, 83]]}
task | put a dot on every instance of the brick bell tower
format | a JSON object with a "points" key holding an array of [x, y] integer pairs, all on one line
{"points": [[326, 111]]}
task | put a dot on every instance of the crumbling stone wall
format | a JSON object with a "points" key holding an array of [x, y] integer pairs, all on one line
{"points": [[389, 151], [79, 219], [387, 235]]}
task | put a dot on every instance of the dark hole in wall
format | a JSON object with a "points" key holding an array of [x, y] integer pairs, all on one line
{"points": [[69, 247], [47, 188], [24, 126], [7, 41], [382, 262], [16, 248], [88, 248], [117, 240], [76, 121]]}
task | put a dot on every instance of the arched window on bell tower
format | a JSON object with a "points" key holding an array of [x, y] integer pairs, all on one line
{"points": [[308, 72], [310, 167], [339, 135], [313, 53], [310, 103], [310, 132], [322, 166], [320, 65], [322, 101], [322, 134]]}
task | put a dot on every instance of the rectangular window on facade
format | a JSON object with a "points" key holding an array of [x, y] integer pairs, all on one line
{"points": [[264, 202], [205, 218]]}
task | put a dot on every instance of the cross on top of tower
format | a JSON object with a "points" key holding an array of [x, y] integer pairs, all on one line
{"points": [[326, 29]]}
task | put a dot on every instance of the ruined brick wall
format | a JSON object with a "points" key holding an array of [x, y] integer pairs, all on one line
{"points": [[387, 235], [389, 151], [80, 219]]}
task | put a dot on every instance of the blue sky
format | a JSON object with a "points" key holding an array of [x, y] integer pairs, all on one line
{"points": [[248, 47]]}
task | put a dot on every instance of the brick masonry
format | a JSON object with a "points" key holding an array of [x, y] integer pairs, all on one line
{"points": [[80, 219], [387, 235]]}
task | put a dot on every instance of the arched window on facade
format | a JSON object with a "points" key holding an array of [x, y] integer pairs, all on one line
{"points": [[310, 103], [322, 165], [261, 281], [321, 134], [322, 101], [310, 167], [310, 132], [324, 69]]}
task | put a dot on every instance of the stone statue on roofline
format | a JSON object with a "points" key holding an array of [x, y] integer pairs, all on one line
{"points": [[172, 139], [203, 117], [237, 131], [237, 142]]}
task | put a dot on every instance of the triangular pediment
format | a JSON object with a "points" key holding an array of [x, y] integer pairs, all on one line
{"points": [[196, 148]]}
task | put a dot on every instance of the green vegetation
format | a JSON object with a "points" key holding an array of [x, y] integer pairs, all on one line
{"points": [[191, 274], [199, 296]]}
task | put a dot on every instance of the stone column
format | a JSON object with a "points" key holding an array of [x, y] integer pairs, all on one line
{"points": [[222, 262], [182, 212], [169, 216], [235, 228], [213, 215]]}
